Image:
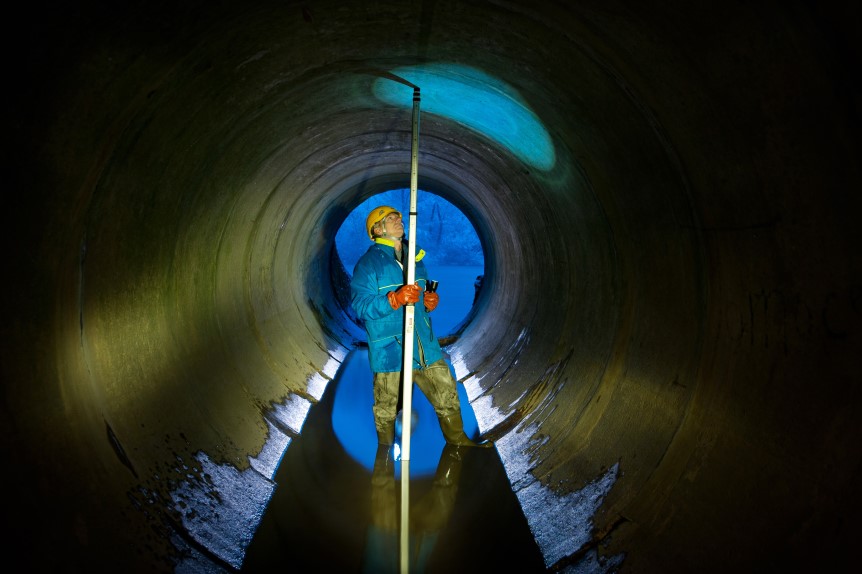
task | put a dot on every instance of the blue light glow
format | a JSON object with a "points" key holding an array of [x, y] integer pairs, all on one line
{"points": [[476, 100]]}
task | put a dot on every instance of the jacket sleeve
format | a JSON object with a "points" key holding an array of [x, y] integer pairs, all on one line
{"points": [[369, 302]]}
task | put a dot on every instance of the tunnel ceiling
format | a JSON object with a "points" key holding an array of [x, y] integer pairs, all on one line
{"points": [[665, 195]]}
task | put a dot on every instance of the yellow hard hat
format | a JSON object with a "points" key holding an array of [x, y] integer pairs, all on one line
{"points": [[377, 214]]}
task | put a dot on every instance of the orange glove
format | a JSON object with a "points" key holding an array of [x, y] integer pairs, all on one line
{"points": [[404, 295], [431, 300]]}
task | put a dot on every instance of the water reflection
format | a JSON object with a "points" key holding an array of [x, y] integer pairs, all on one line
{"points": [[427, 516], [329, 512]]}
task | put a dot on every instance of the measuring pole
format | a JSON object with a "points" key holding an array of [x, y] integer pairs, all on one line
{"points": [[407, 368], [409, 310]]}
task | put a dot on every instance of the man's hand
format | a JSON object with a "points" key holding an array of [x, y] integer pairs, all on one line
{"points": [[431, 300], [404, 295]]}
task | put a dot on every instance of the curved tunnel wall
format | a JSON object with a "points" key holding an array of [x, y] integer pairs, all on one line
{"points": [[675, 299]]}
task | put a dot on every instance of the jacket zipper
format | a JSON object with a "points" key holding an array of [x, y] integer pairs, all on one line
{"points": [[421, 351]]}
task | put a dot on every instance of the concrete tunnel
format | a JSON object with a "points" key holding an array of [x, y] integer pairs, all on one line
{"points": [[666, 195]]}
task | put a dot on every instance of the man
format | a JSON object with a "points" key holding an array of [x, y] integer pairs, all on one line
{"points": [[378, 294]]}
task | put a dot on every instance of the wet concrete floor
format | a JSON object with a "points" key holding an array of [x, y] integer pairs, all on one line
{"points": [[328, 515]]}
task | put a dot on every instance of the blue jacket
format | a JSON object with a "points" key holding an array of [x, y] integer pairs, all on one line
{"points": [[376, 274]]}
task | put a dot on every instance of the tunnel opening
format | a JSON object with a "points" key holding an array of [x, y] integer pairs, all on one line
{"points": [[453, 250]]}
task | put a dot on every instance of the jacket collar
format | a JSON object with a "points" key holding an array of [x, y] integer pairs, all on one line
{"points": [[381, 242], [389, 242]]}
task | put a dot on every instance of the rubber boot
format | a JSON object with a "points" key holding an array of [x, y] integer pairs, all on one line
{"points": [[453, 431], [386, 435], [384, 466]]}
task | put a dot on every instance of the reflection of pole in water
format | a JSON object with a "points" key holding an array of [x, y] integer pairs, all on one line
{"points": [[430, 515], [381, 549], [405, 516]]}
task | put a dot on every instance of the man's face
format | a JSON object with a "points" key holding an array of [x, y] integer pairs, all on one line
{"points": [[392, 226]]}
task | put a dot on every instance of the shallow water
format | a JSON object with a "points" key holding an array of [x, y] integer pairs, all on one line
{"points": [[325, 515]]}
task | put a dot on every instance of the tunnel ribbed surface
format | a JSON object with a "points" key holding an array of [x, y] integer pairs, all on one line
{"points": [[673, 302]]}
